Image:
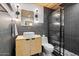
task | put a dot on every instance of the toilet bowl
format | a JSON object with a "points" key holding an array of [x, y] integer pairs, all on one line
{"points": [[48, 48]]}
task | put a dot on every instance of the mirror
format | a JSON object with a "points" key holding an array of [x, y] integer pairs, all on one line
{"points": [[27, 18]]}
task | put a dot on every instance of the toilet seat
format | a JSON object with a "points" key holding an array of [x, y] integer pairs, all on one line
{"points": [[46, 44]]}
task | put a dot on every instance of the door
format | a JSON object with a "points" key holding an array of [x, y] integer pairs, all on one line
{"points": [[36, 45], [23, 47], [56, 24]]}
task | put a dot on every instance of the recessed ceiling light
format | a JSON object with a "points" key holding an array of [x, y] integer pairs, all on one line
{"points": [[56, 23]]}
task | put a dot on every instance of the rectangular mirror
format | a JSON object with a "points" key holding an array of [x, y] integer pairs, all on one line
{"points": [[27, 18]]}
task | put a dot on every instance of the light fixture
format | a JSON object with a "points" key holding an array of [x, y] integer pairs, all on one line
{"points": [[17, 12], [36, 15]]}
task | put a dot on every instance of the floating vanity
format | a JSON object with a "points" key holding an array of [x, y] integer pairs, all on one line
{"points": [[28, 46]]}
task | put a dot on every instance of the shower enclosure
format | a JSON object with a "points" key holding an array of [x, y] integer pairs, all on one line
{"points": [[56, 27]]}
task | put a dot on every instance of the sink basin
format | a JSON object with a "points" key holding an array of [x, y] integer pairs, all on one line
{"points": [[29, 34]]}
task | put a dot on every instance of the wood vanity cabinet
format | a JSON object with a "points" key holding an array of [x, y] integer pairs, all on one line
{"points": [[27, 47]]}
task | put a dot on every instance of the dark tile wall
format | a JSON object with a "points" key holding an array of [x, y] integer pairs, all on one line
{"points": [[71, 28], [37, 28]]}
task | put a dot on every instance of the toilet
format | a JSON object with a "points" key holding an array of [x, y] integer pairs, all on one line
{"points": [[48, 48]]}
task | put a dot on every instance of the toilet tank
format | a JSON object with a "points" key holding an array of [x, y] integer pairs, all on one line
{"points": [[44, 40]]}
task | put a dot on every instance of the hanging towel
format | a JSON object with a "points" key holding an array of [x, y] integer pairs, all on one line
{"points": [[16, 31]]}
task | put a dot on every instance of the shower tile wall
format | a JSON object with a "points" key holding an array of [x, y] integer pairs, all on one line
{"points": [[71, 32]]}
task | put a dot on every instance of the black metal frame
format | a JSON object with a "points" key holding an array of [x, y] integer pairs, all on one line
{"points": [[61, 39], [61, 33]]}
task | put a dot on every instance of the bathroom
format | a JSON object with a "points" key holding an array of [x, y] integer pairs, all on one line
{"points": [[39, 29]]}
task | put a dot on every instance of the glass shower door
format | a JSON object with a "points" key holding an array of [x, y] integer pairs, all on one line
{"points": [[56, 24]]}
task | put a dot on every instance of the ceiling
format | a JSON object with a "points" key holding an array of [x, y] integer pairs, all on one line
{"points": [[2, 9], [53, 6]]}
